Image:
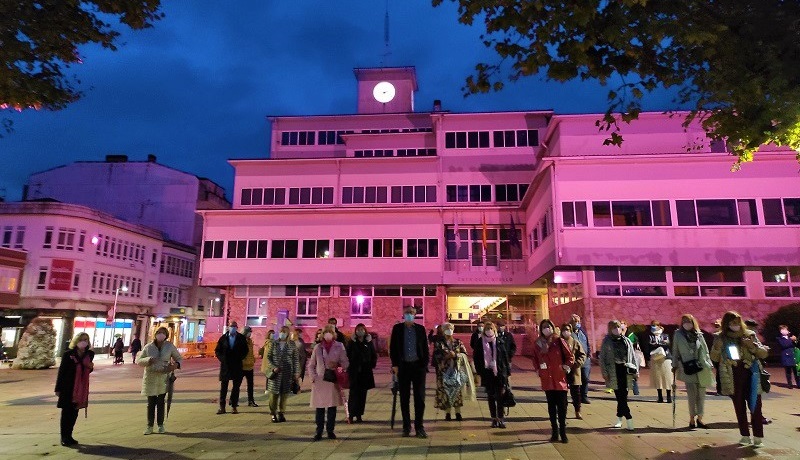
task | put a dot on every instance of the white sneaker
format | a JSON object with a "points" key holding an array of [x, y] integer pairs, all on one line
{"points": [[630, 425], [161, 429], [148, 430], [758, 442], [619, 423], [745, 441]]}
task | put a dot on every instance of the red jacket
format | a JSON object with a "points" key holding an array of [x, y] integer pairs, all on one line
{"points": [[557, 354]]}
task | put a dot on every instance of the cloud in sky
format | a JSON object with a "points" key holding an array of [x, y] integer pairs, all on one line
{"points": [[195, 89]]}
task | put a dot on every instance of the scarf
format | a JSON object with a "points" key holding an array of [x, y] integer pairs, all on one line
{"points": [[80, 392], [620, 349], [490, 354], [327, 345], [691, 336]]}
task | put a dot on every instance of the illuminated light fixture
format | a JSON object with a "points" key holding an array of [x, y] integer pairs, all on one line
{"points": [[159, 319], [360, 299], [95, 240], [217, 299], [124, 289], [14, 317]]}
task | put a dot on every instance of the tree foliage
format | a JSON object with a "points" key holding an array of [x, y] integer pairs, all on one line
{"points": [[39, 41], [736, 63]]}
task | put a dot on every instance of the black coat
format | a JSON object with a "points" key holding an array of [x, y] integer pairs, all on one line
{"points": [[503, 362], [363, 359], [509, 342], [136, 346], [65, 381], [396, 351], [231, 358]]}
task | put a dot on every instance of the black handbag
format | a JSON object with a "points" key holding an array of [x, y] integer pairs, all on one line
{"points": [[295, 387], [691, 367], [508, 399], [765, 383], [329, 376]]}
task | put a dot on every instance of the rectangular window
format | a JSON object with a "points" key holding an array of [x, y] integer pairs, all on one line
{"points": [[361, 306], [791, 208], [422, 247], [686, 213], [307, 307], [469, 139], [709, 281], [601, 212], [716, 212], [316, 249], [257, 309], [661, 213], [747, 212], [48, 238], [773, 211], [246, 196], [41, 282], [417, 302], [631, 214], [387, 247]]}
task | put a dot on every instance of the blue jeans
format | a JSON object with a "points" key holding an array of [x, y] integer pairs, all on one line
{"points": [[585, 371]]}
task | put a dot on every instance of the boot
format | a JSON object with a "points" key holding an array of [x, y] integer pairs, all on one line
{"points": [[554, 430], [669, 396], [563, 434], [660, 396]]}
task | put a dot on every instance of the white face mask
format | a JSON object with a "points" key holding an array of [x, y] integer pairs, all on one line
{"points": [[161, 337], [82, 345], [480, 328], [327, 336], [735, 327], [490, 334], [448, 332], [361, 332], [688, 326], [566, 334], [547, 332], [282, 335]]}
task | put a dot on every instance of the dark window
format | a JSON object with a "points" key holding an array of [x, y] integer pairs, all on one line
{"points": [[358, 194], [347, 195], [509, 139], [231, 249], [472, 139], [294, 196], [463, 193], [461, 140], [533, 137], [721, 274], [580, 214], [338, 248], [451, 194], [323, 248], [716, 212], [280, 196], [362, 248], [408, 194], [316, 195], [686, 215], [631, 214], [606, 274], [500, 192], [309, 249], [284, 138], [261, 252], [747, 212], [486, 193], [601, 211], [419, 194], [450, 140], [498, 139], [643, 274], [218, 248], [773, 211], [252, 249], [684, 274], [511, 192], [208, 249], [305, 195], [474, 193], [568, 213], [241, 249], [370, 194], [430, 194], [258, 194], [381, 195], [661, 216], [484, 139], [792, 208], [522, 138], [246, 196], [291, 249], [278, 249], [269, 196]]}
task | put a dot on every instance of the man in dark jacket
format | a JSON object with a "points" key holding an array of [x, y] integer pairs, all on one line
{"points": [[579, 333], [136, 347], [507, 339], [231, 350], [339, 336], [408, 350]]}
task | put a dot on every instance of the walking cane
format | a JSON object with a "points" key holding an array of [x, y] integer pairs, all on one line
{"points": [[674, 398]]}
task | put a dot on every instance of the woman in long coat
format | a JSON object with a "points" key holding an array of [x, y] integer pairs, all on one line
{"points": [[262, 352], [619, 367], [689, 345], [284, 368], [363, 359], [326, 396], [574, 375], [445, 353], [493, 365], [787, 344], [553, 360], [159, 358], [660, 361], [72, 384]]}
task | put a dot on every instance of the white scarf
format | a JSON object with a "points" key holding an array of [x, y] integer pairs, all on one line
{"points": [[490, 355]]}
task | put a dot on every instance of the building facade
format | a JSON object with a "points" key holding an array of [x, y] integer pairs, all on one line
{"points": [[513, 216], [12, 269]]}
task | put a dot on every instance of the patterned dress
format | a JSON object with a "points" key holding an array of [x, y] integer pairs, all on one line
{"points": [[284, 356], [443, 362]]}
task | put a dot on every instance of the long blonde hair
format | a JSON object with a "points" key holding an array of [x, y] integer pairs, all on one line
{"points": [[80, 335]]}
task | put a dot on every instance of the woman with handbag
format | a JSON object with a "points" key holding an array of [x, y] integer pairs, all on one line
{"points": [[574, 374], [619, 367], [363, 359], [283, 371], [553, 360], [449, 384], [661, 376], [72, 384], [738, 352], [326, 358], [159, 358], [491, 362], [693, 366]]}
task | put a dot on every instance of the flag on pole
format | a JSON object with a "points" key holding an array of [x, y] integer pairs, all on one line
{"points": [[483, 233]]}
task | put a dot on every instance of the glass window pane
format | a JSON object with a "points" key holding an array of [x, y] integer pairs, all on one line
{"points": [[568, 213], [686, 215], [643, 274], [316, 195], [280, 196], [461, 140], [580, 214], [684, 274], [486, 193], [408, 194], [397, 194], [606, 274], [309, 249], [773, 211], [777, 291], [246, 196], [430, 194], [791, 207], [498, 139], [305, 195], [294, 195], [500, 192], [381, 195], [644, 291], [358, 194], [661, 216], [362, 249], [338, 248], [512, 192], [607, 290], [291, 249], [419, 193], [474, 193], [347, 195], [257, 196], [687, 291], [601, 211], [721, 274], [463, 193], [450, 140], [484, 139], [631, 213], [472, 139], [775, 275], [269, 196], [747, 212], [716, 212]]}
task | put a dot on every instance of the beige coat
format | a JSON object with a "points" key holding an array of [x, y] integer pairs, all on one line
{"points": [[326, 394], [155, 362], [574, 377], [748, 353]]}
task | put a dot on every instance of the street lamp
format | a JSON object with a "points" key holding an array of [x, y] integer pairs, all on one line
{"points": [[112, 315]]}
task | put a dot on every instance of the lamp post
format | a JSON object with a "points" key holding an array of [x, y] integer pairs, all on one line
{"points": [[113, 313]]}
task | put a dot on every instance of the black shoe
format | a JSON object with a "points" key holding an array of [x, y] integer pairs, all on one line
{"points": [[660, 400], [501, 424], [669, 400], [585, 401], [358, 419], [234, 410], [494, 423], [252, 404], [702, 425], [692, 426], [406, 433], [459, 417], [331, 435], [448, 417], [421, 433], [554, 437], [68, 442], [274, 418], [221, 411], [281, 418], [317, 437]]}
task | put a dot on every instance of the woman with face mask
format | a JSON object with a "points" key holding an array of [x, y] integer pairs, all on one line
{"points": [[491, 362], [284, 369], [72, 384], [363, 359], [553, 360], [446, 354], [263, 351], [248, 363], [159, 358], [738, 352], [325, 396], [574, 374], [788, 344], [660, 361], [618, 365], [692, 366]]}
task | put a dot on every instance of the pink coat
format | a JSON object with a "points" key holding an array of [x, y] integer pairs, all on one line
{"points": [[325, 394]]}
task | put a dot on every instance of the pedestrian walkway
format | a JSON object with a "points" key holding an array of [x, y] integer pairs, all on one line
{"points": [[116, 419]]}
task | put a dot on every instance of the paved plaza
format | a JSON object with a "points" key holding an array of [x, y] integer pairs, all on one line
{"points": [[113, 429]]}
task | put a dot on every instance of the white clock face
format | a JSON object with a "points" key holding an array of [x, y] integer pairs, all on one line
{"points": [[383, 92]]}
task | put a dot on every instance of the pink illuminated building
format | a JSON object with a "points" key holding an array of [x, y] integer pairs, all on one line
{"points": [[504, 215]]}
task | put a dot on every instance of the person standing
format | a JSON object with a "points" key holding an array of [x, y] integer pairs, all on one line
{"points": [[72, 384], [330, 354], [339, 335], [136, 347], [493, 365], [284, 369], [119, 351], [262, 352], [159, 358], [363, 359], [689, 347], [738, 352], [574, 374], [788, 343], [717, 331], [446, 358], [248, 363], [579, 332], [507, 338], [230, 351], [409, 353], [302, 353], [637, 350], [552, 360], [618, 365], [660, 361]]}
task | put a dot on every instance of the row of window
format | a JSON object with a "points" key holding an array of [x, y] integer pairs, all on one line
{"points": [[483, 247], [474, 193], [277, 196], [321, 249], [68, 239], [178, 266], [169, 294], [480, 139], [120, 249], [13, 237], [331, 137], [648, 213], [420, 152], [399, 194], [542, 229], [108, 284]]}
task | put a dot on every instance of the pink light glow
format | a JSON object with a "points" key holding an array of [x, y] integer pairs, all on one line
{"points": [[360, 299], [95, 240]]}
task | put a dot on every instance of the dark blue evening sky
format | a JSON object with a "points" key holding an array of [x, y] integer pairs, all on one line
{"points": [[195, 89]]}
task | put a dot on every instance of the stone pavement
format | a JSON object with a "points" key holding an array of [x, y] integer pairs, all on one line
{"points": [[113, 429]]}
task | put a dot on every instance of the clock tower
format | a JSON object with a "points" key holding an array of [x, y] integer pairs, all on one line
{"points": [[386, 89]]}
